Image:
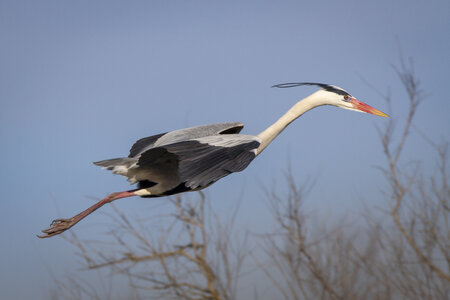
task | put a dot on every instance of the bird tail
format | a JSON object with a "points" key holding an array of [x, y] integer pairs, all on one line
{"points": [[117, 165]]}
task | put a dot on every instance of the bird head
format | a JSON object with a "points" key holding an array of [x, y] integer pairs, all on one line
{"points": [[333, 95]]}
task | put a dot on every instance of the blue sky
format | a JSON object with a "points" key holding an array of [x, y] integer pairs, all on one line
{"points": [[81, 81]]}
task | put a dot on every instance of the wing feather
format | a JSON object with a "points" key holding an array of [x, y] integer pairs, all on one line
{"points": [[184, 134], [144, 144], [203, 161]]}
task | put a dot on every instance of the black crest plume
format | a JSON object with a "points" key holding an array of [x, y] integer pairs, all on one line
{"points": [[327, 87]]}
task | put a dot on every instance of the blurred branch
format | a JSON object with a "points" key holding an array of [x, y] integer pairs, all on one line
{"points": [[402, 187], [178, 261], [402, 255]]}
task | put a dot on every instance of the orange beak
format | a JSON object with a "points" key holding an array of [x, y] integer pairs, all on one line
{"points": [[366, 108]]}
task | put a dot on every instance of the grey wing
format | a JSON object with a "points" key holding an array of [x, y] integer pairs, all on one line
{"points": [[184, 134], [144, 144], [190, 133], [200, 162]]}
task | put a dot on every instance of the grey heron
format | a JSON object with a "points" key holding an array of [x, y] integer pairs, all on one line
{"points": [[193, 158]]}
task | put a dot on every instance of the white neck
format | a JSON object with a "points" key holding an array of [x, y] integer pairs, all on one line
{"points": [[268, 135]]}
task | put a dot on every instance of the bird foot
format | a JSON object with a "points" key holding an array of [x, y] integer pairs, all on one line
{"points": [[58, 226]]}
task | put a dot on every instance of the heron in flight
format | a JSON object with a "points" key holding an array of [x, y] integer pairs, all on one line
{"points": [[193, 158]]}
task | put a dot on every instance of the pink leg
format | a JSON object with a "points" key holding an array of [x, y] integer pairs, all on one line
{"points": [[60, 225]]}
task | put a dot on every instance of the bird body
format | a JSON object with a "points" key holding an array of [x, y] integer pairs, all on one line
{"points": [[193, 158], [185, 159]]}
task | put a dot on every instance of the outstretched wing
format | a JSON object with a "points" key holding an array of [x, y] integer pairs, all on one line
{"points": [[185, 134], [200, 162]]}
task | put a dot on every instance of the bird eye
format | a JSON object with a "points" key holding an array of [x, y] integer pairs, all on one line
{"points": [[346, 97]]}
